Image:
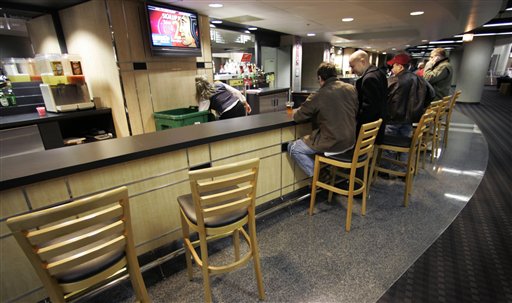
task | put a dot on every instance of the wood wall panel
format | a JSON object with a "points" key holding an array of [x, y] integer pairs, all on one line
{"points": [[120, 174], [204, 31], [86, 27], [132, 102], [269, 177], [12, 202], [227, 148], [144, 98], [156, 213], [287, 170], [18, 275], [117, 18], [47, 193], [135, 29], [288, 134], [42, 35], [170, 90], [198, 154]]}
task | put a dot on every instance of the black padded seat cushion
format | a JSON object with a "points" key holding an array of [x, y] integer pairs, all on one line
{"points": [[90, 268], [396, 141], [187, 205], [347, 156]]}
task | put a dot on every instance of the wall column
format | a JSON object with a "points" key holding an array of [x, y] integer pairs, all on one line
{"points": [[474, 67]]}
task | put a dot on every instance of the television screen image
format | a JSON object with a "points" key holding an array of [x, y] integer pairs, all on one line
{"points": [[173, 28]]}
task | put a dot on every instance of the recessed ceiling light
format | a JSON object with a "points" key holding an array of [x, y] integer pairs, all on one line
{"points": [[311, 34], [215, 5], [252, 28], [212, 25], [424, 40], [509, 9], [216, 21], [407, 45], [247, 32], [393, 48], [348, 19], [384, 53], [416, 13]]}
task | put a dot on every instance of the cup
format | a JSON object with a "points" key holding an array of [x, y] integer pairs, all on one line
{"points": [[289, 107], [41, 111]]}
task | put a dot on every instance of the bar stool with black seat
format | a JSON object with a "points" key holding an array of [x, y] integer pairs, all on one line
{"points": [[81, 245], [400, 144], [357, 157], [221, 203]]}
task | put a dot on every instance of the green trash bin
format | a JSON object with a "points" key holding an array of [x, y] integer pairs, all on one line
{"points": [[179, 117]]}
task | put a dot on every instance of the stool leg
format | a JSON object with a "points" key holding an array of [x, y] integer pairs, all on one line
{"points": [[256, 256], [236, 244], [350, 201], [186, 237], [204, 267], [316, 172], [365, 180]]}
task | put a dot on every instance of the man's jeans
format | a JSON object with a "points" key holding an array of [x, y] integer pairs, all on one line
{"points": [[303, 155], [402, 130]]}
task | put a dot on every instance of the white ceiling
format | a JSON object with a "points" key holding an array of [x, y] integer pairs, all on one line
{"points": [[378, 25]]}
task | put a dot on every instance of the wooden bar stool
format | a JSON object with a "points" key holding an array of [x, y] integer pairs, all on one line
{"points": [[446, 124], [400, 145], [222, 202], [80, 245], [352, 160]]}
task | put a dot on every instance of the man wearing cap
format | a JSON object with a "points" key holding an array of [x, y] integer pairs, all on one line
{"points": [[408, 97]]}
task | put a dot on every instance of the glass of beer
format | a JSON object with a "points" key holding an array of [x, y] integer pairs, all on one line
{"points": [[289, 107]]}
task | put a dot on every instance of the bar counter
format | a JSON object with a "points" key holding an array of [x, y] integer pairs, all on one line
{"points": [[154, 167], [40, 166]]}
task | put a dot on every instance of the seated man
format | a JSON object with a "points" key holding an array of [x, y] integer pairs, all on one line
{"points": [[408, 97], [333, 111]]}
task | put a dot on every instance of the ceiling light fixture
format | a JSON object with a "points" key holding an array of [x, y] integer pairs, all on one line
{"points": [[215, 5], [311, 34], [212, 25], [348, 19], [252, 28], [509, 9], [467, 37], [416, 13], [498, 24], [216, 21], [247, 32], [424, 40], [486, 34]]}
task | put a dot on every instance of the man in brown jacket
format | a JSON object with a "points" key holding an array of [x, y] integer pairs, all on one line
{"points": [[333, 111]]}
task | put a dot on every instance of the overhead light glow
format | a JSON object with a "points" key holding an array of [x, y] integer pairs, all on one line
{"points": [[212, 25], [215, 5], [384, 53], [348, 19], [445, 42], [509, 9], [467, 37], [311, 34], [457, 197], [252, 28], [485, 34], [407, 45], [498, 24], [416, 13], [424, 40], [216, 21]]}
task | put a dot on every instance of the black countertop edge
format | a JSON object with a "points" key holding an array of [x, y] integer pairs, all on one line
{"points": [[10, 121], [44, 165], [267, 91]]}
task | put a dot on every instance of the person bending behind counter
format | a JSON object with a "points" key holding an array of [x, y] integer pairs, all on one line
{"points": [[333, 112], [226, 101]]}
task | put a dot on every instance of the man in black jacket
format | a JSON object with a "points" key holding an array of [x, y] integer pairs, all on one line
{"points": [[408, 97], [372, 90]]}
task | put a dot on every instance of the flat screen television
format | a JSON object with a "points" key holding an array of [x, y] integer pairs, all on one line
{"points": [[173, 31]]}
